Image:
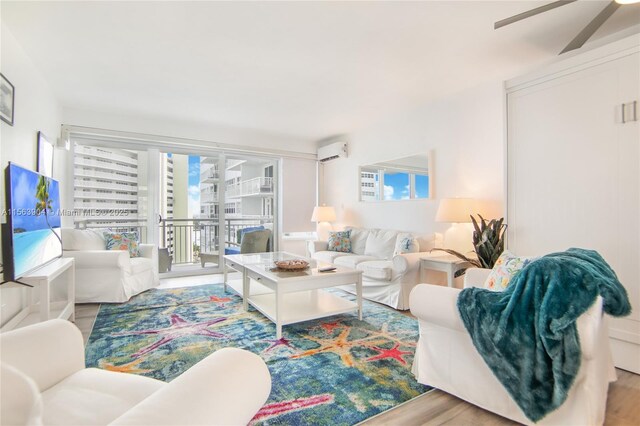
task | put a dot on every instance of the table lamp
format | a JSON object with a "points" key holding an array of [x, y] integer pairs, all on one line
{"points": [[457, 211], [322, 215]]}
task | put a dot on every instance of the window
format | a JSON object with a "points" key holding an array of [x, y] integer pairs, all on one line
{"points": [[397, 186], [402, 179], [421, 186]]}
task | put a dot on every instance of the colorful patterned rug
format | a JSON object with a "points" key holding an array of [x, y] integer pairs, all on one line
{"points": [[336, 370]]}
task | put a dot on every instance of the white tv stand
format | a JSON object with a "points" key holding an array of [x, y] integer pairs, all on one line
{"points": [[43, 309]]}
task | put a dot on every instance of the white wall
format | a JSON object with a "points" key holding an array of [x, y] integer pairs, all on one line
{"points": [[299, 185], [36, 110], [191, 130], [465, 132]]}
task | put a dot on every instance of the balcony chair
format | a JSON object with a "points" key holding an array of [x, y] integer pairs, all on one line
{"points": [[447, 359], [108, 276], [251, 240], [44, 381]]}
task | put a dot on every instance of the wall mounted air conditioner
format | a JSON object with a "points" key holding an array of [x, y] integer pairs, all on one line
{"points": [[332, 151]]}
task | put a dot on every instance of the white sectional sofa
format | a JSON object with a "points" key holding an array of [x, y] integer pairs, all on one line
{"points": [[387, 277], [108, 276]]}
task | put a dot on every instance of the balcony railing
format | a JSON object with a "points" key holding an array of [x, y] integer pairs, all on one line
{"points": [[81, 173], [255, 186], [106, 165], [115, 186], [208, 197], [117, 225], [233, 225], [96, 195], [185, 238], [105, 154], [209, 174]]}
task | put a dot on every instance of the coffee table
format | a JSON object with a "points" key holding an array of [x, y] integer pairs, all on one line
{"points": [[238, 262], [295, 296]]}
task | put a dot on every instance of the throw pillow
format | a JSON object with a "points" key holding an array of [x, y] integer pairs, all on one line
{"points": [[381, 243], [122, 241], [504, 270], [358, 239], [340, 241], [406, 243]]}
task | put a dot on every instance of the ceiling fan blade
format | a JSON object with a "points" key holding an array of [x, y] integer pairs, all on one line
{"points": [[591, 27], [528, 13]]}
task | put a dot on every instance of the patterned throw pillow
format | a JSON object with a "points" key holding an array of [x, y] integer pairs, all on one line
{"points": [[340, 241], [504, 270], [406, 243], [122, 241]]}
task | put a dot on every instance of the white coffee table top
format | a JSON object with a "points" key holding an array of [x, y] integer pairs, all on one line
{"points": [[269, 271], [266, 258]]}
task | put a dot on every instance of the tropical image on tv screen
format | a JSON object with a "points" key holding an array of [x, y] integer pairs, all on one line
{"points": [[35, 219]]}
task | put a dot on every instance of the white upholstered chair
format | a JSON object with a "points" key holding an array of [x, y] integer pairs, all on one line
{"points": [[447, 359], [44, 381], [108, 276]]}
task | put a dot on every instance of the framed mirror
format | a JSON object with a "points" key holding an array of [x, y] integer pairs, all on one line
{"points": [[406, 178]]}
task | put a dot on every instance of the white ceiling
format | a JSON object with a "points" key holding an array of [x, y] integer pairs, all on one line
{"points": [[309, 69]]}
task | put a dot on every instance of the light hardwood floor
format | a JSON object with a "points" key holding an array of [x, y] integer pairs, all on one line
{"points": [[435, 407], [440, 408]]}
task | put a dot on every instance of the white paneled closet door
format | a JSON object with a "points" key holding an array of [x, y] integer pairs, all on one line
{"points": [[573, 170]]}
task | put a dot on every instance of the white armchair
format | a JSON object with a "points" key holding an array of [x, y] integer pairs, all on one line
{"points": [[44, 381], [447, 359], [108, 276]]}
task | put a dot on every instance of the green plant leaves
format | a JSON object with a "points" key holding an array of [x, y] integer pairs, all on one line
{"points": [[488, 240], [474, 262]]}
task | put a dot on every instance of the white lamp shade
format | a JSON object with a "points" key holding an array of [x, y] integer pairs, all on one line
{"points": [[323, 214], [455, 210]]}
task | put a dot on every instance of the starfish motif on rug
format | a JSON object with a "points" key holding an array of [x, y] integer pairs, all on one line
{"points": [[280, 342], [179, 328], [393, 353], [330, 326], [220, 300], [340, 345], [283, 407], [384, 333], [129, 367]]}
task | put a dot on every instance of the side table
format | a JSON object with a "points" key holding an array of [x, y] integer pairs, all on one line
{"points": [[449, 264]]}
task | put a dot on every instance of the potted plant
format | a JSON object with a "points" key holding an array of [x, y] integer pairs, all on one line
{"points": [[488, 242]]}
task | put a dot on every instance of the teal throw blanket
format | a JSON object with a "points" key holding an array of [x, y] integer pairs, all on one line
{"points": [[527, 334]]}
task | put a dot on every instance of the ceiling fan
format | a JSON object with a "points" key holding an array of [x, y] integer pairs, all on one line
{"points": [[585, 34]]}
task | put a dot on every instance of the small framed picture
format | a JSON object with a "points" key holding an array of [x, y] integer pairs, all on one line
{"points": [[7, 96], [45, 155]]}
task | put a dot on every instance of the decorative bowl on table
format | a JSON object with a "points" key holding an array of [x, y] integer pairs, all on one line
{"points": [[292, 265]]}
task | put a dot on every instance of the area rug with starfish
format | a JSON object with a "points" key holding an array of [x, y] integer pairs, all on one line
{"points": [[338, 369]]}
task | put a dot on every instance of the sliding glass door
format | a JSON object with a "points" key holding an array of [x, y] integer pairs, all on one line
{"points": [[110, 189], [193, 206], [249, 202], [189, 210]]}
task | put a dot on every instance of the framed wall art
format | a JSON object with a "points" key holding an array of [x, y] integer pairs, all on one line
{"points": [[7, 97], [45, 155]]}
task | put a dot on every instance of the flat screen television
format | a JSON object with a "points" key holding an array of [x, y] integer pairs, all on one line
{"points": [[31, 236]]}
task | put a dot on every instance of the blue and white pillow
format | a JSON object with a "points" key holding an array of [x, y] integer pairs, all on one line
{"points": [[406, 243]]}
